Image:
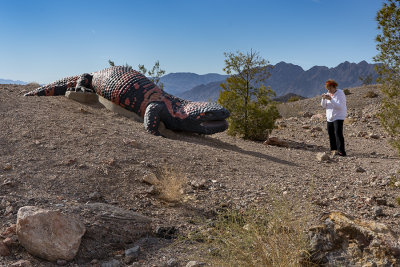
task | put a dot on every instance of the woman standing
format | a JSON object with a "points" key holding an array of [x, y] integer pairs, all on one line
{"points": [[335, 104]]}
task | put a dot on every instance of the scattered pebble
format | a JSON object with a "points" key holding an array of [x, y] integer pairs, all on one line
{"points": [[378, 211], [360, 169], [132, 254], [95, 196], [62, 262], [172, 263], [323, 156], [4, 251], [7, 167], [21, 263], [112, 263], [195, 264]]}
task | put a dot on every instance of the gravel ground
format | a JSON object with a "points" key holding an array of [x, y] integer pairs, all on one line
{"points": [[59, 153]]}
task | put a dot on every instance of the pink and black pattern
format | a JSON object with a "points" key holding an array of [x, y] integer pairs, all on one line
{"points": [[134, 92]]}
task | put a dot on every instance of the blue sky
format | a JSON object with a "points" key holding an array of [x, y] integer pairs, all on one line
{"points": [[45, 40]]}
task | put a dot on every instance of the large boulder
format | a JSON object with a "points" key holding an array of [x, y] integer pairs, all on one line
{"points": [[49, 234], [342, 240]]}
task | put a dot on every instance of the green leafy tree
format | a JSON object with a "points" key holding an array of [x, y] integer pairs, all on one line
{"points": [[253, 113], [154, 74], [388, 18]]}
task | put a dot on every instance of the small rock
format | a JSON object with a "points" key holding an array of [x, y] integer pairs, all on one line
{"points": [[10, 241], [172, 263], [61, 262], [319, 117], [275, 141], [112, 263], [369, 264], [378, 211], [152, 190], [362, 134], [322, 156], [381, 201], [308, 114], [95, 196], [134, 251], [9, 209], [21, 263], [7, 167], [397, 184], [4, 251], [132, 143], [132, 254], [374, 136], [151, 179], [369, 200], [167, 232], [8, 182], [9, 230], [359, 169], [199, 184], [306, 127], [316, 129], [195, 264]]}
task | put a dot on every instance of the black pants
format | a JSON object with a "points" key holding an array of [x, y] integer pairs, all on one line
{"points": [[336, 139]]}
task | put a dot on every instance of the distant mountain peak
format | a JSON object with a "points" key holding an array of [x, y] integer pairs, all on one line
{"points": [[6, 81], [287, 78]]}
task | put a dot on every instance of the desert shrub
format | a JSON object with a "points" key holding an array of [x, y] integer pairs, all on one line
{"points": [[249, 101], [258, 236], [294, 98], [170, 184], [346, 92], [371, 94], [366, 80], [33, 84], [389, 67]]}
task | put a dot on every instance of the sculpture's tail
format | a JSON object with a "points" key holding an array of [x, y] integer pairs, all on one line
{"points": [[56, 88]]}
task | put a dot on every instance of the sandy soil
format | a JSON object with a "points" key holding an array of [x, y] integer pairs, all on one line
{"points": [[57, 153]]}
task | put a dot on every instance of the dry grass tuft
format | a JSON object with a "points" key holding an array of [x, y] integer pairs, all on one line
{"points": [[33, 84], [346, 91], [290, 109], [171, 183], [371, 94], [270, 236]]}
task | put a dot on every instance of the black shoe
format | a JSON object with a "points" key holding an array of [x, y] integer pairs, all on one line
{"points": [[342, 154]]}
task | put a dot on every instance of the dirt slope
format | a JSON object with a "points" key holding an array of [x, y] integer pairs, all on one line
{"points": [[55, 152]]}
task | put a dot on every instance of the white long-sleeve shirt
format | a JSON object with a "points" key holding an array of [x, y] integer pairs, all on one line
{"points": [[336, 108]]}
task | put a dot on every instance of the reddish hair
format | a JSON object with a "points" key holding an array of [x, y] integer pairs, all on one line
{"points": [[331, 82]]}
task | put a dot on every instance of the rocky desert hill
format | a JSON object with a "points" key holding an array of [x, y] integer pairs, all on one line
{"points": [[91, 163]]}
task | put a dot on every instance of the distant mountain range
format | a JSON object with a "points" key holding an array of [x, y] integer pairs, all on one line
{"points": [[4, 81], [285, 78], [177, 83]]}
